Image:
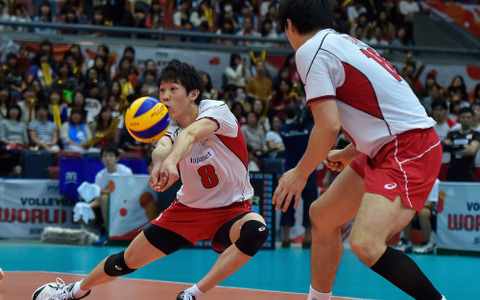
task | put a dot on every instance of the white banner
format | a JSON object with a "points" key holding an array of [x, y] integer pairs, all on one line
{"points": [[27, 206], [132, 206], [458, 220]]}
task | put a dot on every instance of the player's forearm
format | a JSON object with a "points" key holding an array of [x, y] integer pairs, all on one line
{"points": [[182, 147], [320, 143], [162, 150]]}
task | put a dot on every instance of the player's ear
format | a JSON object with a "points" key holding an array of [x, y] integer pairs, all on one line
{"points": [[194, 94], [288, 24]]}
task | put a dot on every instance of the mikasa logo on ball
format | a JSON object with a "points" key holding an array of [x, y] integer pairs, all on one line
{"points": [[197, 160]]}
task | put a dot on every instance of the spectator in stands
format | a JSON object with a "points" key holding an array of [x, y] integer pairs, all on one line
{"points": [[44, 15], [463, 145], [43, 133], [65, 78], [457, 91], [283, 95], [245, 13], [42, 70], [57, 108], [239, 113], [237, 73], [228, 15], [259, 108], [248, 30], [3, 15], [434, 93], [362, 21], [259, 86], [267, 31], [273, 139], [291, 64], [254, 134], [340, 20], [271, 15], [14, 139], [114, 92], [76, 60], [27, 104], [98, 20], [183, 14], [378, 40], [295, 134], [408, 8], [12, 74], [476, 127], [476, 93], [354, 10], [21, 15], [150, 83], [70, 19], [109, 157], [5, 100], [208, 91], [155, 16], [75, 133], [79, 102], [105, 127], [203, 13], [226, 27], [402, 39], [423, 221], [125, 75], [39, 93]]}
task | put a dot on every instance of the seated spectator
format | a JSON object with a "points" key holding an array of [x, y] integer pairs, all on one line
{"points": [[254, 134], [378, 40], [105, 128], [42, 70], [258, 107], [424, 221], [98, 20], [237, 73], [228, 15], [155, 16], [44, 15], [259, 86], [408, 8], [74, 134], [71, 19], [226, 27], [43, 133], [284, 95], [12, 74], [463, 145], [125, 74], [238, 112], [246, 13], [267, 31], [109, 157], [403, 38], [57, 108], [21, 15], [27, 104], [183, 14], [354, 10], [5, 100], [13, 139], [248, 30], [65, 78], [208, 91], [273, 139], [203, 13]]}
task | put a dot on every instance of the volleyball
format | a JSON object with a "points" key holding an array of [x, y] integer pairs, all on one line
{"points": [[147, 119]]}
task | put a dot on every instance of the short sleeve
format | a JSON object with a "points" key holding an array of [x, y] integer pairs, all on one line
{"points": [[221, 114]]}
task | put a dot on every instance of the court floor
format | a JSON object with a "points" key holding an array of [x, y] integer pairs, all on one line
{"points": [[281, 274]]}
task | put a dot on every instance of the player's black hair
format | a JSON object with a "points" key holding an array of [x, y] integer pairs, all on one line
{"points": [[306, 15], [110, 148], [184, 74]]}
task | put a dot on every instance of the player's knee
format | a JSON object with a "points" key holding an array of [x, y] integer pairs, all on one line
{"points": [[252, 237], [115, 265]]}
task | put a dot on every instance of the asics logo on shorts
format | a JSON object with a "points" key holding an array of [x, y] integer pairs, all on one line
{"points": [[390, 186], [118, 267], [262, 228]]}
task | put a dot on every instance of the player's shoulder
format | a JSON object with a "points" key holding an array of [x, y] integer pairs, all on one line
{"points": [[212, 108]]}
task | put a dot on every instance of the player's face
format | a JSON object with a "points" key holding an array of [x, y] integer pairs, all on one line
{"points": [[175, 97]]}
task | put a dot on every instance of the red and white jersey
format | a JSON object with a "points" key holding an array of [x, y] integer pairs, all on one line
{"points": [[375, 104], [215, 173]]}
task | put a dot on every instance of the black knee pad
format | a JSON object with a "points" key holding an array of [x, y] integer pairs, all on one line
{"points": [[252, 237], [115, 265]]}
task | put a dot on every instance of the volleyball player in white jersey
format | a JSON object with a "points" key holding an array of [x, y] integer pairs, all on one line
{"points": [[388, 169], [205, 141]]}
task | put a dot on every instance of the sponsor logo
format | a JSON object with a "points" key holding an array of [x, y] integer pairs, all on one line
{"points": [[262, 228], [118, 267], [390, 186]]}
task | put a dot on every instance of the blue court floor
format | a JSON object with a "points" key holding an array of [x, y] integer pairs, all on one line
{"points": [[285, 270]]}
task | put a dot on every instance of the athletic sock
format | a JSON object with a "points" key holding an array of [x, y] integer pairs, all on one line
{"points": [[195, 291], [399, 269], [315, 295], [77, 292]]}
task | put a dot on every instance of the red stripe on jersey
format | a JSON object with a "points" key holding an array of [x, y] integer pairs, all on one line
{"points": [[322, 98], [237, 145], [357, 92], [451, 122], [212, 119]]}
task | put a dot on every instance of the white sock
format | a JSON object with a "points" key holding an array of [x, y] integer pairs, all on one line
{"points": [[315, 295], [195, 291], [77, 292]]}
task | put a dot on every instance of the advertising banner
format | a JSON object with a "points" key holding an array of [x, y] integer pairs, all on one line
{"points": [[458, 220], [27, 206]]}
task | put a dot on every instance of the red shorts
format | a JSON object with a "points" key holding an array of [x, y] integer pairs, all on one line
{"points": [[196, 224], [407, 166]]}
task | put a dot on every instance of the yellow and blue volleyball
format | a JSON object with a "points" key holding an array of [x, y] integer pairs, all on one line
{"points": [[147, 119]]}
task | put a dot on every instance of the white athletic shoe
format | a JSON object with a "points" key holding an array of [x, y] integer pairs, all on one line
{"points": [[427, 248], [56, 291], [404, 246], [185, 296]]}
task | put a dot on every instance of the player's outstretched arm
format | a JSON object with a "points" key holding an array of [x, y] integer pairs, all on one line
{"points": [[159, 154], [322, 138], [184, 142]]}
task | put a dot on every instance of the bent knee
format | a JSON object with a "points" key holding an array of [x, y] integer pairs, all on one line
{"points": [[252, 237], [366, 249]]}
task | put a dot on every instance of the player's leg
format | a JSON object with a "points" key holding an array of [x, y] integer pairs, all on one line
{"points": [[309, 195], [377, 220], [424, 220], [334, 208], [247, 236]]}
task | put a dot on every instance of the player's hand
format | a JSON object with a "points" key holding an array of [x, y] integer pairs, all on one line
{"points": [[169, 175], [336, 160], [290, 185]]}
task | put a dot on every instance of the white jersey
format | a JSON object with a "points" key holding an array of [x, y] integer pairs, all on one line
{"points": [[375, 104], [215, 173], [103, 177]]}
